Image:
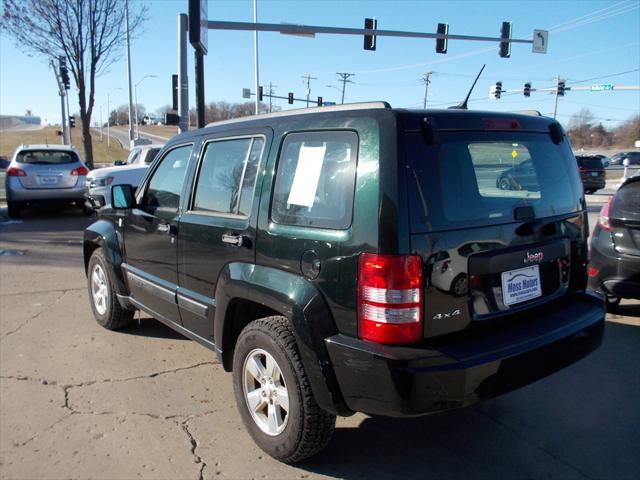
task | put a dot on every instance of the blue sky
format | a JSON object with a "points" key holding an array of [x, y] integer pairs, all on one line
{"points": [[588, 40]]}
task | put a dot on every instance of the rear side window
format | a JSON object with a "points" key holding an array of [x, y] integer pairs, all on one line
{"points": [[480, 178], [227, 176], [47, 157], [151, 154], [315, 179], [626, 203]]}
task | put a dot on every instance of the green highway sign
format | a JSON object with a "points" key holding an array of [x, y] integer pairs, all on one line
{"points": [[601, 87]]}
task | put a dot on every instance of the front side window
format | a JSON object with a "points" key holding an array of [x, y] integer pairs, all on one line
{"points": [[227, 176], [316, 179], [133, 156], [166, 183]]}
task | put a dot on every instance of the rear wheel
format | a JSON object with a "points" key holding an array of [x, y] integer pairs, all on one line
{"points": [[273, 393], [589, 191], [104, 303], [14, 209], [504, 184], [611, 302]]}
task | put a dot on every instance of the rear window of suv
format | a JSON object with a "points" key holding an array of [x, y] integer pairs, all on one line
{"points": [[46, 157], [590, 163], [480, 178]]}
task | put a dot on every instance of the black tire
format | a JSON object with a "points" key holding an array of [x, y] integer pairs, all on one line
{"points": [[307, 428], [504, 184], [109, 314], [611, 302], [589, 192], [14, 209]]}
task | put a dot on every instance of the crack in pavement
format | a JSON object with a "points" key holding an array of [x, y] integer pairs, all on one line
{"points": [[44, 310], [534, 444], [194, 444], [66, 290]]}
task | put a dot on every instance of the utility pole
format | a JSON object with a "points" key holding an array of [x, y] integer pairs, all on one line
{"points": [[425, 79], [126, 23], [271, 93], [344, 78], [308, 79]]}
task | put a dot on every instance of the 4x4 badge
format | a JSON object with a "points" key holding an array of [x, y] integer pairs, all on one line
{"points": [[533, 257], [440, 316]]}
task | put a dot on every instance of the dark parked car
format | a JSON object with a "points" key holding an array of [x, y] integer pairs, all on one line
{"points": [[518, 177], [592, 172], [4, 162], [614, 269], [634, 158], [302, 247]]}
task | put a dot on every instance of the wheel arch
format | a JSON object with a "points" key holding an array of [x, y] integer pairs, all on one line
{"points": [[102, 234], [246, 292]]}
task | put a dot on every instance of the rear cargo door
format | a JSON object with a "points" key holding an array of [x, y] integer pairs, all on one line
{"points": [[498, 220]]}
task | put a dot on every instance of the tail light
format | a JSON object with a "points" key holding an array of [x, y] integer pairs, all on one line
{"points": [[390, 298], [80, 172], [593, 272], [603, 218], [16, 172]]}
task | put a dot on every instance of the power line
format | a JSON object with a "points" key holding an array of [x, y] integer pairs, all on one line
{"points": [[605, 76], [308, 79], [583, 17]]}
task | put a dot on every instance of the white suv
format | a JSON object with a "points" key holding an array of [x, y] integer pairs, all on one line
{"points": [[99, 181]]}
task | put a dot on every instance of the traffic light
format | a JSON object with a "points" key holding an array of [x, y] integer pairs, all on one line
{"points": [[561, 88], [319, 101], [441, 43], [370, 40], [290, 98], [505, 34], [496, 90], [64, 73], [527, 89], [72, 121]]}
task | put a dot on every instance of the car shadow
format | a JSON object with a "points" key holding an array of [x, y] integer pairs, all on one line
{"points": [[581, 422], [152, 328], [626, 311]]}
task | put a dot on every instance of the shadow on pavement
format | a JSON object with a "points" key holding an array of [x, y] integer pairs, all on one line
{"points": [[582, 422], [626, 311], [150, 327]]}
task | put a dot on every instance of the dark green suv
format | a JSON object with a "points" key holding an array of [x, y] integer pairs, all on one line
{"points": [[356, 258]]}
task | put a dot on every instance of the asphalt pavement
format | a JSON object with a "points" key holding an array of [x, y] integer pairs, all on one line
{"points": [[78, 401]]}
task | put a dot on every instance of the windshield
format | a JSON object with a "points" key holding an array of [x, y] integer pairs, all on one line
{"points": [[480, 178], [46, 157]]}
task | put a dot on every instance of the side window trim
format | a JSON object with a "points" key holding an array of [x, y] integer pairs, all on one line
{"points": [[196, 177], [142, 189]]}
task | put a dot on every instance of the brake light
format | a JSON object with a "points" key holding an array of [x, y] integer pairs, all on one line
{"points": [[80, 172], [593, 272], [389, 298], [603, 218], [16, 172], [500, 124]]}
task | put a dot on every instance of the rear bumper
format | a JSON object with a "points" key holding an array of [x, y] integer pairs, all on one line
{"points": [[400, 381], [17, 193], [618, 275], [594, 183]]}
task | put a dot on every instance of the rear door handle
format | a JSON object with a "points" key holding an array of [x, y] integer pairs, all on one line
{"points": [[234, 240], [166, 228]]}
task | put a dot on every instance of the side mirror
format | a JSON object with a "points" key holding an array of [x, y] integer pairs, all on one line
{"points": [[122, 197], [117, 163]]}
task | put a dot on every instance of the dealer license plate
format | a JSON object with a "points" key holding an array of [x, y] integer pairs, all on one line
{"points": [[521, 285], [49, 180]]}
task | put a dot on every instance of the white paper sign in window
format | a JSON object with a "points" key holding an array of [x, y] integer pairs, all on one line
{"points": [[307, 176]]}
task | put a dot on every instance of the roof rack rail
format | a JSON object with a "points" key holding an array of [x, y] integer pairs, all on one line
{"points": [[302, 111], [533, 113]]}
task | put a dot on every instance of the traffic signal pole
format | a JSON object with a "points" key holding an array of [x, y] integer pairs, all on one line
{"points": [[555, 103], [61, 92]]}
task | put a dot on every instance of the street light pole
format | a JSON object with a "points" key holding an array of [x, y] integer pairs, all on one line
{"points": [[135, 90]]}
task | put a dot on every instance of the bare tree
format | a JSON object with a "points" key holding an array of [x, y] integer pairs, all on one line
{"points": [[88, 33]]}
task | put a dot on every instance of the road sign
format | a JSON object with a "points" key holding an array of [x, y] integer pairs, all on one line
{"points": [[246, 93], [601, 87], [540, 41], [198, 24]]}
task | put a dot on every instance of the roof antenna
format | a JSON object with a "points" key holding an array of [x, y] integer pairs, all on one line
{"points": [[463, 105]]}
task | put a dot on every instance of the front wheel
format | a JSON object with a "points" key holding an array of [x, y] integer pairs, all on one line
{"points": [[104, 303], [504, 184], [273, 393]]}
